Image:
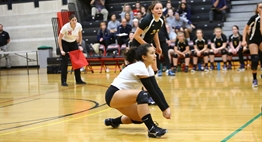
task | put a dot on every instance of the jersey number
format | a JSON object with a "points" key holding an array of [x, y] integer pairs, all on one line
{"points": [[218, 44], [154, 31], [235, 43]]}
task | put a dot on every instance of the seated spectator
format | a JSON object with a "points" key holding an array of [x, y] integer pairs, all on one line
{"points": [[127, 9], [234, 47], [139, 17], [168, 6], [184, 11], [135, 25], [218, 7], [170, 18], [129, 40], [128, 19], [98, 6], [103, 34], [200, 49], [123, 31], [218, 45], [137, 8], [181, 50], [172, 36], [112, 27], [183, 25], [143, 11]]}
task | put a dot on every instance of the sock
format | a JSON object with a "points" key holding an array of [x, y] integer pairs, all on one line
{"points": [[147, 119], [194, 66], [212, 64], [229, 62], [186, 67], [117, 120], [206, 65], [174, 67], [254, 76], [225, 63]]}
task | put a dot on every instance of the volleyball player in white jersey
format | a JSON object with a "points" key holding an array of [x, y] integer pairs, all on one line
{"points": [[125, 94], [67, 41]]}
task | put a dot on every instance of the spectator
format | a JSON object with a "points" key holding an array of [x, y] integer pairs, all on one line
{"points": [[112, 27], [129, 40], [127, 9], [143, 11], [181, 49], [103, 34], [170, 18], [139, 17], [135, 25], [128, 19], [137, 8], [234, 47], [183, 25], [218, 7], [171, 42], [184, 11], [168, 6], [218, 45], [98, 6], [4, 40], [123, 31]]}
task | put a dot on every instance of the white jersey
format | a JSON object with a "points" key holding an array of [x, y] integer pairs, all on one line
{"points": [[127, 79], [70, 34]]}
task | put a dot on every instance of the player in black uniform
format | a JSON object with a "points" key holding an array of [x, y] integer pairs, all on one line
{"points": [[255, 39], [218, 45], [148, 29], [200, 49], [235, 47], [181, 50]]}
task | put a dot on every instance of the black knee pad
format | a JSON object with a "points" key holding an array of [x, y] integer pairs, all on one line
{"points": [[254, 60], [205, 54], [223, 51], [142, 97], [136, 122], [211, 53], [175, 55], [230, 54], [195, 54], [155, 72], [187, 55]]}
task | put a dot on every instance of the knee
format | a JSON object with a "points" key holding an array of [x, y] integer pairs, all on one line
{"points": [[187, 55], [142, 97], [175, 55], [195, 54], [223, 51], [205, 54], [211, 52], [230, 54], [254, 60]]}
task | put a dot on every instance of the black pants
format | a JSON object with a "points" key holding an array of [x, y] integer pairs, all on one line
{"points": [[105, 43], [212, 12], [164, 47], [122, 40], [68, 46]]}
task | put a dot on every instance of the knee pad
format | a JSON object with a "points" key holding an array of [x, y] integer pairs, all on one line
{"points": [[211, 53], [155, 72], [223, 51], [142, 97], [136, 122], [187, 55], [205, 54], [254, 60], [230, 53], [195, 54], [175, 55]]}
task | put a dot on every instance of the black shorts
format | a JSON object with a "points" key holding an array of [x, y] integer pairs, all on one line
{"points": [[110, 93], [255, 41]]}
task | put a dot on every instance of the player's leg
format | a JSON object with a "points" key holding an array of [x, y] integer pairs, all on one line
{"points": [[175, 61], [205, 54], [253, 48], [229, 59], [224, 58], [195, 59], [241, 59], [212, 58], [187, 60]]}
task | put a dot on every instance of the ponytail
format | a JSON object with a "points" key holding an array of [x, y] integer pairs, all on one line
{"points": [[130, 55], [135, 53]]}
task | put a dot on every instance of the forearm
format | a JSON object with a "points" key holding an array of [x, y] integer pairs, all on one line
{"points": [[140, 39], [60, 43], [245, 33], [92, 2], [156, 39]]}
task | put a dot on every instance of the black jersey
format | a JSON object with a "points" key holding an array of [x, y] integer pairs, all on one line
{"points": [[254, 23], [150, 27], [4, 37], [200, 43], [219, 41], [181, 46], [235, 39]]}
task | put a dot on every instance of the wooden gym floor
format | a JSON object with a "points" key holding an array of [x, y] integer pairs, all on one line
{"points": [[206, 107]]}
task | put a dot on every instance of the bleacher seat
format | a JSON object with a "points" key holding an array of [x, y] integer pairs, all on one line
{"points": [[112, 50]]}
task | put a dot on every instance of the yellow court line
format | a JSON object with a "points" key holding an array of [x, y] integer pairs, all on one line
{"points": [[50, 124]]}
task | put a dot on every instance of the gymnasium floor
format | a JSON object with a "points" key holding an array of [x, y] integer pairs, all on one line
{"points": [[206, 107]]}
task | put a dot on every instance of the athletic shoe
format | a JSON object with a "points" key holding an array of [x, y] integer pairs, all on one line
{"points": [[224, 67], [229, 67], [151, 101], [255, 83], [194, 69], [108, 122], [241, 68], [156, 132], [211, 67], [170, 73], [159, 73], [206, 69]]}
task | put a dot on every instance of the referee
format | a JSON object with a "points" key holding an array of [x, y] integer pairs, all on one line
{"points": [[4, 40], [68, 42]]}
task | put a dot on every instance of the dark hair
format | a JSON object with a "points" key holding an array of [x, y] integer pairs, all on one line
{"points": [[72, 16], [135, 53], [102, 23], [238, 31], [257, 7], [201, 31], [152, 6], [236, 26]]}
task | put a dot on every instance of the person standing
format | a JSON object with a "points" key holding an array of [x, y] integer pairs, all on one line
{"points": [[4, 40], [67, 41], [98, 7]]}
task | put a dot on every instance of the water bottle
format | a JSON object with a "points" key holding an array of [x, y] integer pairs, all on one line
{"points": [[199, 66], [218, 65]]}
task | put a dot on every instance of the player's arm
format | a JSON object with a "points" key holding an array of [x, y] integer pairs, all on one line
{"points": [[195, 48], [224, 45], [204, 49], [137, 36], [157, 43], [177, 51], [187, 50]]}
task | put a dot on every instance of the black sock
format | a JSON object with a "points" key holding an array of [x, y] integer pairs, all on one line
{"points": [[229, 62], [225, 63], [206, 65], [212, 64], [117, 120], [186, 67], [174, 67], [254, 76], [147, 119], [194, 66]]}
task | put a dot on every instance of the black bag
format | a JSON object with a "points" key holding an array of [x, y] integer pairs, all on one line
{"points": [[53, 69]]}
